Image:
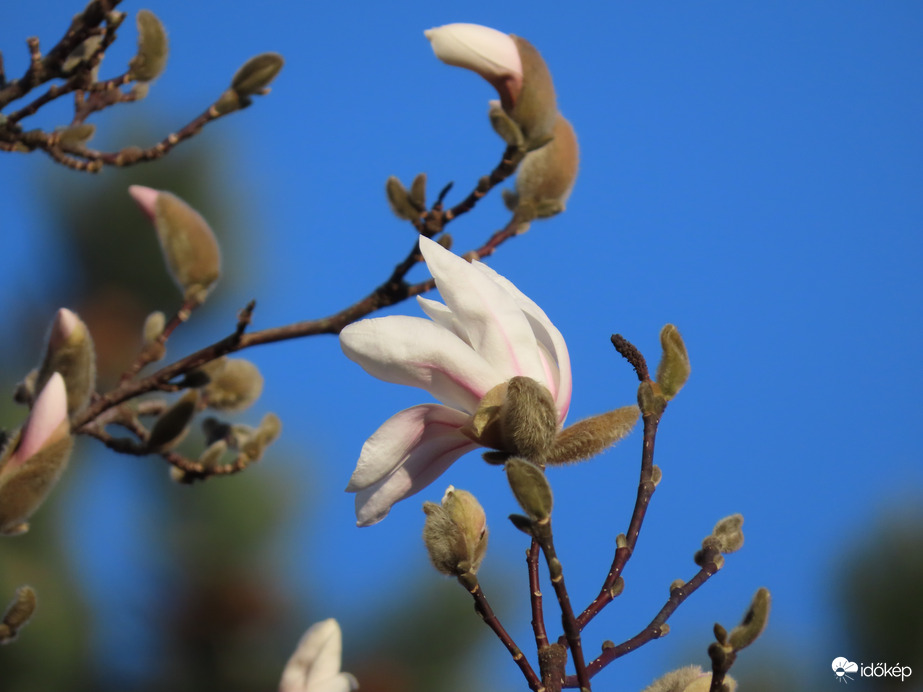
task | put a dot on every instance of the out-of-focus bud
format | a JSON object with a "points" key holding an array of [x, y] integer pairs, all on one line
{"points": [[78, 134], [531, 488], [455, 533], [255, 75], [315, 665], [651, 400], [17, 614], [213, 453], [234, 387], [173, 424], [269, 429], [153, 328], [729, 533], [69, 351], [674, 367], [589, 437], [32, 464], [754, 621], [25, 390], [81, 53], [686, 679], [417, 194], [153, 48], [188, 243], [513, 67], [546, 175], [399, 200]]}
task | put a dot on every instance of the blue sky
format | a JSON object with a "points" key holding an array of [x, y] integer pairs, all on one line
{"points": [[750, 172]]}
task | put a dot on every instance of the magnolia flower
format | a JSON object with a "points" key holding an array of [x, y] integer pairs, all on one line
{"points": [[512, 66], [315, 665], [486, 333]]}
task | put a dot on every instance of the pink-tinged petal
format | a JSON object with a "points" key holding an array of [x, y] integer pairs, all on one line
{"points": [[403, 434], [557, 372], [420, 353], [491, 53], [315, 665], [495, 325], [441, 315], [47, 415], [145, 198], [438, 447]]}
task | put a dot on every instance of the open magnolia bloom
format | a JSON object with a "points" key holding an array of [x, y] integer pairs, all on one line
{"points": [[487, 333], [315, 665]]}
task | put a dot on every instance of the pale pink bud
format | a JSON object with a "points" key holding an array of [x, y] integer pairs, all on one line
{"points": [[48, 413], [145, 198], [490, 53]]}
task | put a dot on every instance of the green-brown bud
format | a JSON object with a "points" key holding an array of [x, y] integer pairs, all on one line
{"points": [[754, 621], [69, 351], [536, 108], [234, 387], [729, 533], [546, 175], [399, 200], [417, 194], [528, 419], [173, 424], [153, 48], [76, 135], [212, 454], [18, 613], [228, 102], [589, 437], [674, 367], [455, 533], [650, 399], [189, 246], [256, 74], [530, 487]]}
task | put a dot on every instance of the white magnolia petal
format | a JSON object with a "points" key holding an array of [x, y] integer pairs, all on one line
{"points": [[436, 451], [398, 438], [441, 315], [489, 52], [496, 327], [315, 665], [546, 334], [420, 353]]}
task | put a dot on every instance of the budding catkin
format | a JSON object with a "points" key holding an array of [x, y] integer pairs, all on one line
{"points": [[234, 387], [589, 437]]}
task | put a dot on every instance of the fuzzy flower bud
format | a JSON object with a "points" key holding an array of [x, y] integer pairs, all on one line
{"points": [[234, 387], [256, 74], [69, 351], [32, 463], [674, 367], [153, 48], [589, 437], [686, 679], [512, 66], [455, 533], [531, 488], [188, 243], [754, 621], [17, 614], [173, 424]]}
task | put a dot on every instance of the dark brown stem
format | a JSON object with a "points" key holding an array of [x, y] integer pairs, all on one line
{"points": [[482, 607], [535, 593], [655, 628]]}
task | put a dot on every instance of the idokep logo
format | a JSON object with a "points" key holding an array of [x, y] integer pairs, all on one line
{"points": [[842, 667]]}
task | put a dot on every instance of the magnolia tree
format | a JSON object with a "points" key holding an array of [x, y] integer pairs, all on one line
{"points": [[492, 358]]}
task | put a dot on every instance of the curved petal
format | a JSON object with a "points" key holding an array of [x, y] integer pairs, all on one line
{"points": [[559, 379], [402, 435], [495, 325], [441, 315], [315, 665], [420, 353], [49, 412], [421, 461]]}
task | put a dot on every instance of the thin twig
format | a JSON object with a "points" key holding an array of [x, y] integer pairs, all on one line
{"points": [[535, 592]]}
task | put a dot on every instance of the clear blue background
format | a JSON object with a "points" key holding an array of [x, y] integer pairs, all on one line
{"points": [[750, 172]]}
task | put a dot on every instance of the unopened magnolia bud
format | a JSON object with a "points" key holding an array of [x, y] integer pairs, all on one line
{"points": [[69, 351], [76, 135], [528, 419], [703, 684], [213, 453], [530, 487], [153, 327], [445, 240], [754, 621], [650, 399], [676, 680], [153, 48], [455, 533], [721, 634], [234, 387], [522, 523], [417, 194], [269, 429], [18, 613], [399, 200], [188, 243], [32, 465], [589, 437], [256, 74], [729, 533], [228, 102], [173, 424], [535, 110], [656, 475], [546, 175], [674, 368], [676, 584]]}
